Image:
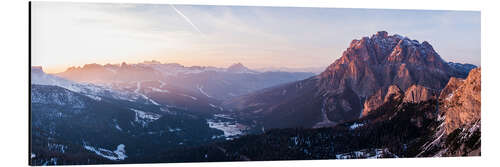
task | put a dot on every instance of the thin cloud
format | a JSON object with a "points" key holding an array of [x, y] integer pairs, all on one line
{"points": [[255, 36], [187, 19]]}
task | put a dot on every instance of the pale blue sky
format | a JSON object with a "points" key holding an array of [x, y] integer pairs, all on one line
{"points": [[73, 34]]}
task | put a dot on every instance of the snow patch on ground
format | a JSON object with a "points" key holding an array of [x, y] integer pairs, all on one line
{"points": [[211, 105], [200, 88], [194, 98], [145, 117], [230, 128], [52, 161], [216, 107], [475, 127], [223, 116], [137, 91], [150, 100], [160, 90], [438, 137], [97, 98], [356, 125], [174, 129], [138, 87], [118, 154], [367, 153], [118, 127], [57, 147]]}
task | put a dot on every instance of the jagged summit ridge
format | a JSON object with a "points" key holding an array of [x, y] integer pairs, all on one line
{"points": [[355, 84], [239, 68], [384, 48], [375, 62], [367, 67]]}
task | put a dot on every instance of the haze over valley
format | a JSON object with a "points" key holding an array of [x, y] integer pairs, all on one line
{"points": [[161, 83], [203, 113]]}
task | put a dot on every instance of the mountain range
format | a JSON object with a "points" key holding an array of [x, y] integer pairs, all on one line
{"points": [[352, 85], [212, 82], [386, 96], [448, 125], [134, 116], [105, 119]]}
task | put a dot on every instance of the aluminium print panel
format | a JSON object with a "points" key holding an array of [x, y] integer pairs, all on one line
{"points": [[158, 83]]}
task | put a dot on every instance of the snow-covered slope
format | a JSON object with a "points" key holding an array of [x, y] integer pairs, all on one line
{"points": [[69, 127], [213, 82], [459, 133], [96, 92]]}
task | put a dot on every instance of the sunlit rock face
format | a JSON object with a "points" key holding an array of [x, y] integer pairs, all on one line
{"points": [[459, 129], [461, 101], [418, 93], [392, 93], [371, 71], [382, 60], [373, 66]]}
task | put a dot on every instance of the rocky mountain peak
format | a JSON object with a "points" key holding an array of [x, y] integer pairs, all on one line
{"points": [[375, 62], [37, 69], [151, 62], [453, 85], [371, 71], [238, 68], [92, 66], [382, 48], [382, 34], [461, 101]]}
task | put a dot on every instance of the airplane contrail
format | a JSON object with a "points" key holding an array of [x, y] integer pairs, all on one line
{"points": [[187, 19]]}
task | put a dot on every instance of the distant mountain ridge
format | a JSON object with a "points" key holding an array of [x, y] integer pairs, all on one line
{"points": [[461, 70], [387, 96], [39, 77], [107, 119], [239, 68], [212, 82], [315, 70]]}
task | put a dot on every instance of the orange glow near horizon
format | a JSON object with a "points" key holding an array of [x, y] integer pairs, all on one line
{"points": [[61, 68], [74, 34]]}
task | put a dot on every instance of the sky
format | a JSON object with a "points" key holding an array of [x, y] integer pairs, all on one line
{"points": [[65, 34]]}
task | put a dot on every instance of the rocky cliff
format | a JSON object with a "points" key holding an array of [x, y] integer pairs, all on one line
{"points": [[354, 84], [461, 101], [459, 131]]}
